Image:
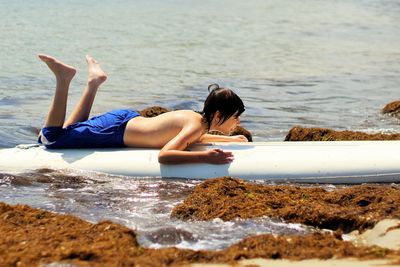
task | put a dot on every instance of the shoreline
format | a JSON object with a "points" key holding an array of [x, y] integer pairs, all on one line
{"points": [[31, 237]]}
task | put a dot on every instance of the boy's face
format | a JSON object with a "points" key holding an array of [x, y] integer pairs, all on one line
{"points": [[230, 124]]}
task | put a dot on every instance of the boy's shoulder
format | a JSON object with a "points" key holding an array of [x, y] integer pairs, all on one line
{"points": [[189, 117], [186, 113]]}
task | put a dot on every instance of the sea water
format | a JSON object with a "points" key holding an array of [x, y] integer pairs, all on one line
{"points": [[311, 63]]}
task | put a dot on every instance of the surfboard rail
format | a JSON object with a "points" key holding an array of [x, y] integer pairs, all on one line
{"points": [[308, 162]]}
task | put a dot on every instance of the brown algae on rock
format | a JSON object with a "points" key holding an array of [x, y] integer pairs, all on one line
{"points": [[33, 237], [350, 208], [298, 133], [392, 109]]}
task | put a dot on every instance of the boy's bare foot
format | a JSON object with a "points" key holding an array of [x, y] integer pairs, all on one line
{"points": [[96, 75], [62, 71]]}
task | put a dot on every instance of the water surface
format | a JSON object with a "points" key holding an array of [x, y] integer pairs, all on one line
{"points": [[312, 63]]}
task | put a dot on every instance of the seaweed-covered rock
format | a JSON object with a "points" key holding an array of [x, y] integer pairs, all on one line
{"points": [[393, 109], [239, 130], [153, 111], [34, 237], [346, 209], [298, 133]]}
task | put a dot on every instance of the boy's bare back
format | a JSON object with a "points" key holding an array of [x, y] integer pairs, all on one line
{"points": [[156, 132]]}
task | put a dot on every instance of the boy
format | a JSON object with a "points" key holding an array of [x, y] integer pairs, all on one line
{"points": [[173, 132]]}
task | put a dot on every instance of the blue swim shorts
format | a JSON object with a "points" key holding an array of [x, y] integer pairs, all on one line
{"points": [[106, 130]]}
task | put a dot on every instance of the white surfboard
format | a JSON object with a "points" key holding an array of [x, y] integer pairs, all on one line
{"points": [[322, 162]]}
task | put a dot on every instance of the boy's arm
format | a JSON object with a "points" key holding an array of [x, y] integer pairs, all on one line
{"points": [[206, 138], [173, 152]]}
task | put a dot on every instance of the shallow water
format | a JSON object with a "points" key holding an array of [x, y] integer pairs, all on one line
{"points": [[141, 204], [311, 63]]}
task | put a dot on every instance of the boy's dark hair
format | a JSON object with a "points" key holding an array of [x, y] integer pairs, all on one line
{"points": [[223, 100]]}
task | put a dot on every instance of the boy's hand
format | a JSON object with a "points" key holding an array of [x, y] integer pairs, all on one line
{"points": [[218, 156], [239, 138]]}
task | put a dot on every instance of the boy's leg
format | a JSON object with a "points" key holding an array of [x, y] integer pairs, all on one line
{"points": [[96, 76], [64, 74]]}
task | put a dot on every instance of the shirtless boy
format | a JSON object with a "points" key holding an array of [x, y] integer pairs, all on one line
{"points": [[173, 131]]}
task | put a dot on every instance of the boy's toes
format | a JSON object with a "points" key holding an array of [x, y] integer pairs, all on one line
{"points": [[90, 59], [45, 57]]}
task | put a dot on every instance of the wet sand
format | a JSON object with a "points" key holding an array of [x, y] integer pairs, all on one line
{"points": [[30, 237]]}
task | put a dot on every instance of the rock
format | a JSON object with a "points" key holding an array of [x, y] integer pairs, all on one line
{"points": [[239, 130], [393, 109], [346, 209], [169, 236], [153, 111], [298, 133], [385, 234]]}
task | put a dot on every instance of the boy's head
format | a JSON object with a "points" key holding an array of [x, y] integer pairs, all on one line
{"points": [[220, 105]]}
